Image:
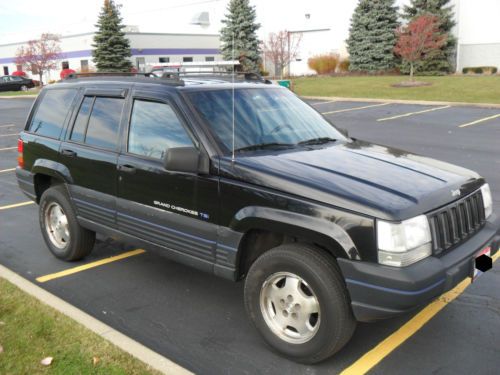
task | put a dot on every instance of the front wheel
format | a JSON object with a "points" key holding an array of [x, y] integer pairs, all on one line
{"points": [[297, 299], [65, 238]]}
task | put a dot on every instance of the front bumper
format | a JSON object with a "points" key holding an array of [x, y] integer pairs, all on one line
{"points": [[379, 292]]}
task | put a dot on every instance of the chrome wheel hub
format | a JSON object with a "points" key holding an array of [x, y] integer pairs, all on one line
{"points": [[290, 308], [56, 225]]}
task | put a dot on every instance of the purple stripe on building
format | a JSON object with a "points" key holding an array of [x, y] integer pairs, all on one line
{"points": [[135, 52]]}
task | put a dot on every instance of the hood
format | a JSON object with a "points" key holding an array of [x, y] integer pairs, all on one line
{"points": [[375, 180]]}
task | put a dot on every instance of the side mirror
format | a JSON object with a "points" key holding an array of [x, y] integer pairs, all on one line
{"points": [[185, 159]]}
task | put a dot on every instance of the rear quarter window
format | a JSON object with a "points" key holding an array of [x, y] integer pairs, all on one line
{"points": [[51, 113]]}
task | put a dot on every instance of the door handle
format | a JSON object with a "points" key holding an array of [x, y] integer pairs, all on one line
{"points": [[69, 153], [127, 168]]}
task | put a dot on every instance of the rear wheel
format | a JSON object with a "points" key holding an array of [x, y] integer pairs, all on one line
{"points": [[65, 238], [297, 299], [24, 88]]}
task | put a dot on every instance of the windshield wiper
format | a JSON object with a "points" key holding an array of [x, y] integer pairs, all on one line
{"points": [[263, 146], [317, 141]]}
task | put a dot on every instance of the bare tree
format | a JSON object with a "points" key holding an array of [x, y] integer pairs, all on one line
{"points": [[40, 55], [282, 48]]}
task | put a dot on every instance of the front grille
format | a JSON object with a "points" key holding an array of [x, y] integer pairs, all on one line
{"points": [[455, 223]]}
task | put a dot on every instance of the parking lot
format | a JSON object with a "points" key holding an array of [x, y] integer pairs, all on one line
{"points": [[198, 320]]}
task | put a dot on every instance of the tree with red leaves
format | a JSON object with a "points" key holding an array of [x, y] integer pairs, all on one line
{"points": [[41, 55], [419, 40], [282, 48]]}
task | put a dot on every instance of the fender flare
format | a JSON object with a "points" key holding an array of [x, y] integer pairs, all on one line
{"points": [[266, 218], [52, 169]]}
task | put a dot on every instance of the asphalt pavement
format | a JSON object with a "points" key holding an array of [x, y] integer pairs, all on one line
{"points": [[198, 320]]}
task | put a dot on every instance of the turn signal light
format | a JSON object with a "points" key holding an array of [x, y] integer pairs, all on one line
{"points": [[20, 157]]}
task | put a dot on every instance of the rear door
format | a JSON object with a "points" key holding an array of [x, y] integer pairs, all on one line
{"points": [[90, 153], [174, 210]]}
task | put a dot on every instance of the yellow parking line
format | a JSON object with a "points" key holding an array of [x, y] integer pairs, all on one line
{"points": [[16, 205], [9, 135], [6, 126], [7, 170], [383, 349], [7, 148], [355, 108], [331, 101], [52, 276], [479, 121], [413, 113]]}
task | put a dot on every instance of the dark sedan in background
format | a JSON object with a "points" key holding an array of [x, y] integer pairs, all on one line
{"points": [[15, 83]]}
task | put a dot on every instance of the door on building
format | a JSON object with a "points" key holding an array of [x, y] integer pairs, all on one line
{"points": [[5, 70], [140, 63]]}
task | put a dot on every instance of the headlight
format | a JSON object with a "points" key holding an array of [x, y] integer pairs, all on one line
{"points": [[401, 244], [488, 202]]}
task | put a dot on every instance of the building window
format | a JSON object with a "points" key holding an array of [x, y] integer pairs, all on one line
{"points": [[187, 59], [209, 58], [84, 66], [65, 65], [164, 59], [5, 70]]}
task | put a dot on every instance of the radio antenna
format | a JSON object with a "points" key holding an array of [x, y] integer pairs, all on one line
{"points": [[232, 93]]}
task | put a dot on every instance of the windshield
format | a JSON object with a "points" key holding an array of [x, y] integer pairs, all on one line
{"points": [[263, 117]]}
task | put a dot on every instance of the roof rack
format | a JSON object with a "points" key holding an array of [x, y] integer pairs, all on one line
{"points": [[175, 81]]}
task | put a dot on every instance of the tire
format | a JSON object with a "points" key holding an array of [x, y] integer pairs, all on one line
{"points": [[23, 88], [312, 274], [64, 237]]}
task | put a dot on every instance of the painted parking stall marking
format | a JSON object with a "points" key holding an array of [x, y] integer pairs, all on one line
{"points": [[8, 148], [320, 103], [388, 345], [354, 108], [413, 113], [9, 135], [71, 271], [15, 205], [7, 125], [480, 121], [7, 170]]}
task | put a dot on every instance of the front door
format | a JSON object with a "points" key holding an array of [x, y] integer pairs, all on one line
{"points": [[176, 211]]}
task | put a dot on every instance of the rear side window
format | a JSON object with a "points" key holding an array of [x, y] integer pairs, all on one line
{"points": [[51, 112], [98, 122], [154, 127]]}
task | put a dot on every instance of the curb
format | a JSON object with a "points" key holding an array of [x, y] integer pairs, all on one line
{"points": [[401, 101], [125, 343]]}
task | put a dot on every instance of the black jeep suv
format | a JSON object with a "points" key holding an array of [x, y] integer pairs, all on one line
{"points": [[247, 181]]}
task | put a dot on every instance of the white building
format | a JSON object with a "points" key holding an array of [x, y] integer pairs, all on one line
{"points": [[478, 33], [147, 49]]}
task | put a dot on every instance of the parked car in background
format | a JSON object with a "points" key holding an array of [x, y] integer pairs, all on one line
{"points": [[15, 83]]}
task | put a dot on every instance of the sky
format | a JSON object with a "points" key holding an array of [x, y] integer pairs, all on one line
{"points": [[21, 20]]}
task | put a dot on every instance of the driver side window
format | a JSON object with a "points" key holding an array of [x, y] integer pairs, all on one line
{"points": [[154, 127]]}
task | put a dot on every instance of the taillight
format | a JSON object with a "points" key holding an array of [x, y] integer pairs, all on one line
{"points": [[20, 150]]}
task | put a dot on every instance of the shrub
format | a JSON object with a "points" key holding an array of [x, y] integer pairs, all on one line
{"points": [[324, 64], [344, 65], [480, 70]]}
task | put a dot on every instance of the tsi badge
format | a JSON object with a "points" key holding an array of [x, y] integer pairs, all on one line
{"points": [[171, 207], [455, 193]]}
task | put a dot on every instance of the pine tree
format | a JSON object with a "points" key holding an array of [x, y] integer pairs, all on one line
{"points": [[443, 62], [372, 36], [111, 48], [240, 24]]}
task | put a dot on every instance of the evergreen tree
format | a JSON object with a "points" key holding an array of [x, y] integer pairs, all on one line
{"points": [[111, 51], [240, 24], [372, 36], [444, 61]]}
